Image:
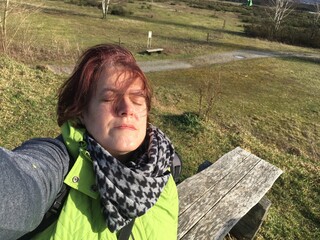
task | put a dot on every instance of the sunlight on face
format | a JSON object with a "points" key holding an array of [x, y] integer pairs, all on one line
{"points": [[117, 120]]}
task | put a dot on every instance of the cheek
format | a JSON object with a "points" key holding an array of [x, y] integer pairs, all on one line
{"points": [[94, 119], [143, 126], [141, 113], [143, 119]]}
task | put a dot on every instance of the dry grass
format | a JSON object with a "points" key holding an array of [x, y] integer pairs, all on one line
{"points": [[268, 106]]}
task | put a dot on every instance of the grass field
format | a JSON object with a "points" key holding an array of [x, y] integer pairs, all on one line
{"points": [[55, 32], [268, 106]]}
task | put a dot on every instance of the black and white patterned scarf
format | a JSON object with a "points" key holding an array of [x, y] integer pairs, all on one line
{"points": [[129, 191]]}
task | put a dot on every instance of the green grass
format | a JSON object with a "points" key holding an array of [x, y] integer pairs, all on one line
{"points": [[57, 32], [28, 98], [268, 106]]}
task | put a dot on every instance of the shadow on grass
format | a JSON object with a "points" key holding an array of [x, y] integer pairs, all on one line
{"points": [[302, 192], [163, 22], [188, 122], [54, 11], [235, 33], [311, 58], [214, 42]]}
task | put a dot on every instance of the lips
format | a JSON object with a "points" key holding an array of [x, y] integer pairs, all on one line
{"points": [[126, 126]]}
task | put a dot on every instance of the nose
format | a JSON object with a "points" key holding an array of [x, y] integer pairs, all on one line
{"points": [[124, 107]]}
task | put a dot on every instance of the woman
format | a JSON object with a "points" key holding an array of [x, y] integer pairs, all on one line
{"points": [[120, 171]]}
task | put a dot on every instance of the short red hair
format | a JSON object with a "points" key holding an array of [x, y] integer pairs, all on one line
{"points": [[75, 94]]}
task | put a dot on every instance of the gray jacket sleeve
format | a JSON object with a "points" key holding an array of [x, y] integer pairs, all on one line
{"points": [[30, 178]]}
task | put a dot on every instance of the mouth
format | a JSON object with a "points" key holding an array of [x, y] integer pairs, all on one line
{"points": [[126, 127]]}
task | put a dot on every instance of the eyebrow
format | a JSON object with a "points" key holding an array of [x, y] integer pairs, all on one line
{"points": [[106, 90], [109, 89], [115, 90]]}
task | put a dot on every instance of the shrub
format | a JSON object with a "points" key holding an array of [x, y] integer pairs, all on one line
{"points": [[120, 11], [298, 29], [93, 3], [187, 122]]}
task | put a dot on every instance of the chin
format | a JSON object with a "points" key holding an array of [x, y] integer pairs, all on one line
{"points": [[122, 150], [127, 145]]}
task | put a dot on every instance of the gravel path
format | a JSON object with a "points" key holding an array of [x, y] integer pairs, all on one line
{"points": [[166, 65]]}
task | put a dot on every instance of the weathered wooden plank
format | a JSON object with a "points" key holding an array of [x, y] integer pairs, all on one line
{"points": [[213, 195], [234, 205], [192, 189], [249, 224], [224, 164], [154, 50]]}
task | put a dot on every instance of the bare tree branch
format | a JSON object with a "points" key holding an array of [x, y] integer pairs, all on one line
{"points": [[280, 9], [13, 20], [105, 8]]}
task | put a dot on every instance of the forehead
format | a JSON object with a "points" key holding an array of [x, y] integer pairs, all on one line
{"points": [[119, 78]]}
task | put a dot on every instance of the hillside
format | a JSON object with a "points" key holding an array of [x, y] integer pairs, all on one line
{"points": [[268, 106]]}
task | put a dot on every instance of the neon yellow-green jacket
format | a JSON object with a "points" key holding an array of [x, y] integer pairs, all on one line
{"points": [[81, 216]]}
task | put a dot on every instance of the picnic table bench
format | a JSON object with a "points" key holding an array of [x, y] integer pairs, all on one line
{"points": [[154, 50], [228, 196]]}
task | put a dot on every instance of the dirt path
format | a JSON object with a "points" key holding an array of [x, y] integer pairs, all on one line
{"points": [[166, 65]]}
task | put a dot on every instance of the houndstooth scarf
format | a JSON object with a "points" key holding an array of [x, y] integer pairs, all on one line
{"points": [[129, 191]]}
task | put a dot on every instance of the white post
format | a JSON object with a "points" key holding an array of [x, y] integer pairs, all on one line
{"points": [[149, 39]]}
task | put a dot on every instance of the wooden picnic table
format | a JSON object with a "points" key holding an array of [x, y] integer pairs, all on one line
{"points": [[227, 196]]}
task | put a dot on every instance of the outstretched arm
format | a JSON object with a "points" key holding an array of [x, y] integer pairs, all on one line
{"points": [[30, 178]]}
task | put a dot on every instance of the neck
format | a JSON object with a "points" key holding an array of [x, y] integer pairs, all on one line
{"points": [[123, 158]]}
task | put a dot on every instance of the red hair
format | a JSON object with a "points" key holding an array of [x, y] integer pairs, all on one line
{"points": [[74, 95]]}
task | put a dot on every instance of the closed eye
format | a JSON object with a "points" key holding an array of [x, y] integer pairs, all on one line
{"points": [[108, 99], [109, 96], [138, 98]]}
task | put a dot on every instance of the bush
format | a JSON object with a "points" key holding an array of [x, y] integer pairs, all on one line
{"points": [[187, 122], [92, 3], [120, 11], [298, 29]]}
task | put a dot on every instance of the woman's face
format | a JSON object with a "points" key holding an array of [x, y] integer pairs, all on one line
{"points": [[120, 128]]}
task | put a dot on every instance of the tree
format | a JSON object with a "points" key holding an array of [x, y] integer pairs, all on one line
{"points": [[4, 26], [14, 24], [278, 11], [315, 21], [105, 8]]}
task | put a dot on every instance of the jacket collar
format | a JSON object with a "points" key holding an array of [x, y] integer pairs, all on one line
{"points": [[81, 176]]}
